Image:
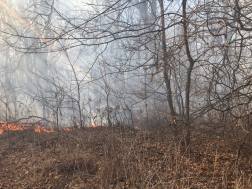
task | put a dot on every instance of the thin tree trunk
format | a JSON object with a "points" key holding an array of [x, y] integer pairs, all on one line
{"points": [[166, 68], [188, 79]]}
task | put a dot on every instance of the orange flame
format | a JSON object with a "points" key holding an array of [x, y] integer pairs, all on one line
{"points": [[4, 126], [92, 126]]}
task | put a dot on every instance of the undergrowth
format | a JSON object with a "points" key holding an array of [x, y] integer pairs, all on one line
{"points": [[102, 158]]}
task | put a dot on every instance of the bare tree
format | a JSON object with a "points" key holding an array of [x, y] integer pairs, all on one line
{"points": [[195, 55]]}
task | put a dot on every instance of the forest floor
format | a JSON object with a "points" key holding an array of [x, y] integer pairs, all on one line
{"points": [[103, 158]]}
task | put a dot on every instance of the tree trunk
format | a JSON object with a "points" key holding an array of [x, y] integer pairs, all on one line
{"points": [[188, 79], [166, 68]]}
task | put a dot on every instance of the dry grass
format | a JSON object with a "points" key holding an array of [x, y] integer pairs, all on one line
{"points": [[101, 158]]}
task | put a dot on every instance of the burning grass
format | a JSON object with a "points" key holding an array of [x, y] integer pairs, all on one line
{"points": [[5, 126], [104, 158], [37, 127]]}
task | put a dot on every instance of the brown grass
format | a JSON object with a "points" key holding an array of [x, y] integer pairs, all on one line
{"points": [[102, 158]]}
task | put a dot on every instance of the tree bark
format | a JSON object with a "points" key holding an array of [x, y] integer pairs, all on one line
{"points": [[188, 79], [166, 69]]}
